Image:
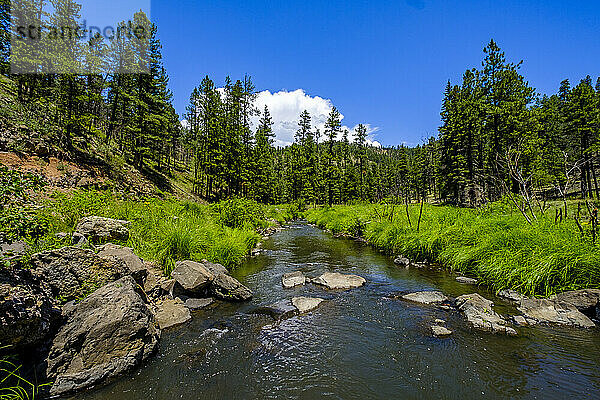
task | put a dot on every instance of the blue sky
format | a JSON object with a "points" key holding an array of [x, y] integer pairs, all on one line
{"points": [[384, 63]]}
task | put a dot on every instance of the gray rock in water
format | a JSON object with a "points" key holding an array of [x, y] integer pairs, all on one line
{"points": [[465, 280], [172, 312], [587, 301], [426, 297], [228, 288], [440, 330], [134, 264], [110, 332], [28, 312], [73, 273], [512, 295], [402, 261], [193, 277], [280, 310], [335, 280], [291, 279], [196, 304], [551, 311], [100, 230], [480, 314], [306, 304]]}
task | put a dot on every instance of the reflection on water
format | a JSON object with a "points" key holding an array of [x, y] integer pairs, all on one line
{"points": [[358, 344]]}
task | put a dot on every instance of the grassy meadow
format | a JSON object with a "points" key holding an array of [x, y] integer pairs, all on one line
{"points": [[494, 244]]}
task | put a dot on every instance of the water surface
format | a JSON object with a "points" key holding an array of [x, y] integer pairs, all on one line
{"points": [[359, 344]]}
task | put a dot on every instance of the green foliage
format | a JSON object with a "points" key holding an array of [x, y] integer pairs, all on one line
{"points": [[238, 212], [17, 219], [13, 386], [493, 243]]}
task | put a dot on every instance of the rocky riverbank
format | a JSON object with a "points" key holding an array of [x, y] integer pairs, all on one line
{"points": [[92, 315]]}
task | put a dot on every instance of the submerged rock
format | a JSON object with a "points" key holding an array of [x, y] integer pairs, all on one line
{"points": [[172, 312], [193, 277], [335, 280], [99, 229], [280, 310], [291, 279], [554, 312], [402, 261], [226, 287], [28, 312], [440, 330], [306, 304], [73, 273], [110, 332], [465, 280], [478, 311], [426, 297]]}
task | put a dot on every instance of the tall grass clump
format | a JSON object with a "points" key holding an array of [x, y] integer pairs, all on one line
{"points": [[494, 244], [13, 386], [169, 230]]}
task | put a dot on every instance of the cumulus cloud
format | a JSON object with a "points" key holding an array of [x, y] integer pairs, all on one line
{"points": [[285, 108]]}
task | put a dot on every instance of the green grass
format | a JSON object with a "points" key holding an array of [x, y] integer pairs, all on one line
{"points": [[13, 386], [167, 230], [494, 244]]}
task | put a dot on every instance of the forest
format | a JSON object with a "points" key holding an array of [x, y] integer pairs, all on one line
{"points": [[498, 136]]}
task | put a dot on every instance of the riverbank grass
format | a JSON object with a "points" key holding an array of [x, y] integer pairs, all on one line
{"points": [[494, 244], [167, 230]]}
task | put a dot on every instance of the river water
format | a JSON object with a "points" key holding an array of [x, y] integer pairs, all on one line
{"points": [[359, 344]]}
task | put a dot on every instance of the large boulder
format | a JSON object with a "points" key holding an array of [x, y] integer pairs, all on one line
{"points": [[214, 268], [335, 280], [135, 265], [478, 311], [172, 312], [226, 287], [291, 279], [73, 273], [193, 277], [111, 331], [587, 301], [28, 312], [427, 297], [553, 312], [100, 230]]}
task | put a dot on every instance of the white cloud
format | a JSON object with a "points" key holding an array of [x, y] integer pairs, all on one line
{"points": [[285, 108]]}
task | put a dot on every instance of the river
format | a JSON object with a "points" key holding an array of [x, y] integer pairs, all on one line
{"points": [[359, 344]]}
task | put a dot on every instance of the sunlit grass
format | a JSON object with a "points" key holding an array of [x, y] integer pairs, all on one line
{"points": [[493, 244]]}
